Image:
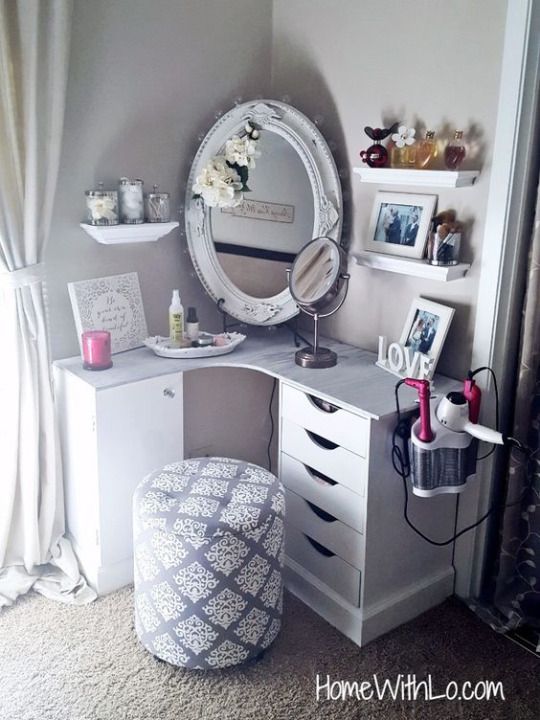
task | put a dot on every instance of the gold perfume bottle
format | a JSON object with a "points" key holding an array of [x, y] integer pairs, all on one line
{"points": [[427, 150]]}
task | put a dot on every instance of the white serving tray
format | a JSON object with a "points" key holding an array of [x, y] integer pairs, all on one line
{"points": [[161, 346]]}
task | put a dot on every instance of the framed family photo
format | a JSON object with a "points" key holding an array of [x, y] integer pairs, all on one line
{"points": [[426, 328], [399, 224]]}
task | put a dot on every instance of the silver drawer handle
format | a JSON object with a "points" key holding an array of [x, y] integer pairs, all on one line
{"points": [[169, 392]]}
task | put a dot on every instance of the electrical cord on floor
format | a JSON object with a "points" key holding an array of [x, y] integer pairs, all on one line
{"points": [[402, 466], [274, 384]]}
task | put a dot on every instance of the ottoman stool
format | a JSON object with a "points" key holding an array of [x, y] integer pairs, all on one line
{"points": [[208, 546]]}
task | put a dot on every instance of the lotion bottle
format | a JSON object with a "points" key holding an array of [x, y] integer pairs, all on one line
{"points": [[176, 320], [192, 324]]}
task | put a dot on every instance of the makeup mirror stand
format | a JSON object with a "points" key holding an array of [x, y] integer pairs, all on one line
{"points": [[313, 356]]}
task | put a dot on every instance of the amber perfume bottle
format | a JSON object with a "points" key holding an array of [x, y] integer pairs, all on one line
{"points": [[455, 151], [426, 151]]}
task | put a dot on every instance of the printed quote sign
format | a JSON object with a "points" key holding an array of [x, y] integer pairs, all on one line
{"points": [[260, 210], [111, 303]]}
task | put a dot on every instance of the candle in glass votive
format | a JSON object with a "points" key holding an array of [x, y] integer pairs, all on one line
{"points": [[96, 350]]}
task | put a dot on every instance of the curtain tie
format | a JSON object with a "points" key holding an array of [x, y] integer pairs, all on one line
{"points": [[29, 275]]}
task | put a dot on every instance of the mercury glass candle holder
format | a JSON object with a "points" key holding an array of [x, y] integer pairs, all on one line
{"points": [[130, 198]]}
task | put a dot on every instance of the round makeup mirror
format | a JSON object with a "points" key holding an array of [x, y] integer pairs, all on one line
{"points": [[262, 185], [319, 287]]}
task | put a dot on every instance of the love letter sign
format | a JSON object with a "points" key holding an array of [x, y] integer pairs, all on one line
{"points": [[401, 361]]}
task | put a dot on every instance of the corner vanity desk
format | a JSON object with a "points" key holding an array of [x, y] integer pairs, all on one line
{"points": [[349, 553]]}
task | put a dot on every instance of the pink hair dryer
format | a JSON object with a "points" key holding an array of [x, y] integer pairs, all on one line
{"points": [[424, 394]]}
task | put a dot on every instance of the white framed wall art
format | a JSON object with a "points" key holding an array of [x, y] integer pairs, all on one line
{"points": [[111, 303]]}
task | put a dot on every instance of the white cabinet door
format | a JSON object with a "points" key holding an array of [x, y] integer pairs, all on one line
{"points": [[139, 429]]}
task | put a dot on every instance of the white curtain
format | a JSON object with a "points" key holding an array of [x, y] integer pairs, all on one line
{"points": [[34, 50]]}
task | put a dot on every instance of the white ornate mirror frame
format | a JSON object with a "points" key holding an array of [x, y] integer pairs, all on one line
{"points": [[306, 140]]}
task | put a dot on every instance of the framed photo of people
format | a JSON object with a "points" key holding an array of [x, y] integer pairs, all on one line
{"points": [[399, 224], [426, 328]]}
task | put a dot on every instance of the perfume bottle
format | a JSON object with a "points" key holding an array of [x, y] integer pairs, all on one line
{"points": [[427, 150], [454, 152]]}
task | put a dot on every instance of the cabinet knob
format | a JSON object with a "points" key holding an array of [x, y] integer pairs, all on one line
{"points": [[169, 392]]}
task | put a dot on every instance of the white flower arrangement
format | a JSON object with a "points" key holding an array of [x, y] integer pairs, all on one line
{"points": [[241, 151], [219, 185], [404, 136], [223, 181]]}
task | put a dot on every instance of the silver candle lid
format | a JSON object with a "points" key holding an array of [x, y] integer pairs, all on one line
{"points": [[100, 192], [157, 195], [127, 181]]}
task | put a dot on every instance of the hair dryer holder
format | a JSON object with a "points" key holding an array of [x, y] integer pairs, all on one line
{"points": [[444, 464]]}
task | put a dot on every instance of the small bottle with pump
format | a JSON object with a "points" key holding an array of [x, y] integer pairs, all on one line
{"points": [[176, 320], [192, 324]]}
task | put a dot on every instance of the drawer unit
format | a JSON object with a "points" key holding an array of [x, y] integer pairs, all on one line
{"points": [[325, 457], [340, 426], [324, 564], [330, 496], [326, 529]]}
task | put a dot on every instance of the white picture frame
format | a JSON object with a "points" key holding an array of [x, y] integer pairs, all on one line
{"points": [[399, 224], [426, 328], [112, 303]]}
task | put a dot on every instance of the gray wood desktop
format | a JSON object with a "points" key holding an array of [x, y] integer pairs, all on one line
{"points": [[117, 425], [356, 383]]}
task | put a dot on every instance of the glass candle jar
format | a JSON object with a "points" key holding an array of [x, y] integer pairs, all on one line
{"points": [[130, 199], [96, 350], [157, 206], [101, 206]]}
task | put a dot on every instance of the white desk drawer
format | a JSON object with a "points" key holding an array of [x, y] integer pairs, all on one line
{"points": [[339, 426], [336, 463], [335, 499], [326, 529], [322, 563]]}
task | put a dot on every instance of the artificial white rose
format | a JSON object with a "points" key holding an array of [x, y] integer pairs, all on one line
{"points": [[218, 184], [103, 208], [241, 151]]}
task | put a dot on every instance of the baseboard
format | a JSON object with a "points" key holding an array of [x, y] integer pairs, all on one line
{"points": [[364, 625], [104, 579]]}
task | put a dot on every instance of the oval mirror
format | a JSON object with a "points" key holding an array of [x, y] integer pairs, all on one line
{"points": [[246, 223]]}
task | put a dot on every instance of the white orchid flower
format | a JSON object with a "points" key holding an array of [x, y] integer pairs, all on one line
{"points": [[218, 184], [404, 136], [241, 151]]}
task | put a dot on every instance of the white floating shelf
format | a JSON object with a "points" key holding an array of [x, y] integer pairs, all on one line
{"points": [[119, 234], [420, 178], [407, 266]]}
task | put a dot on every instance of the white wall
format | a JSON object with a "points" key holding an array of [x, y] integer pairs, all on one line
{"points": [[435, 64], [145, 80]]}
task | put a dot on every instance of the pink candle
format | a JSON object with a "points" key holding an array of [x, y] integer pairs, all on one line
{"points": [[96, 349]]}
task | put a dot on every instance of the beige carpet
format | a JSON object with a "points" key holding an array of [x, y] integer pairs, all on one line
{"points": [[60, 662]]}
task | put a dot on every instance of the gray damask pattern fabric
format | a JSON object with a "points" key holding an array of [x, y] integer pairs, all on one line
{"points": [[208, 537], [512, 594]]}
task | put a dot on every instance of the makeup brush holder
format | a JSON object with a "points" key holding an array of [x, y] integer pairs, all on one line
{"points": [[444, 251]]}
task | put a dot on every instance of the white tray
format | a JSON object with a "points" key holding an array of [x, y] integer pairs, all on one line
{"points": [[161, 346]]}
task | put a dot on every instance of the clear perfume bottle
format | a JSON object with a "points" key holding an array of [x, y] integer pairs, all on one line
{"points": [[426, 151], [455, 151]]}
